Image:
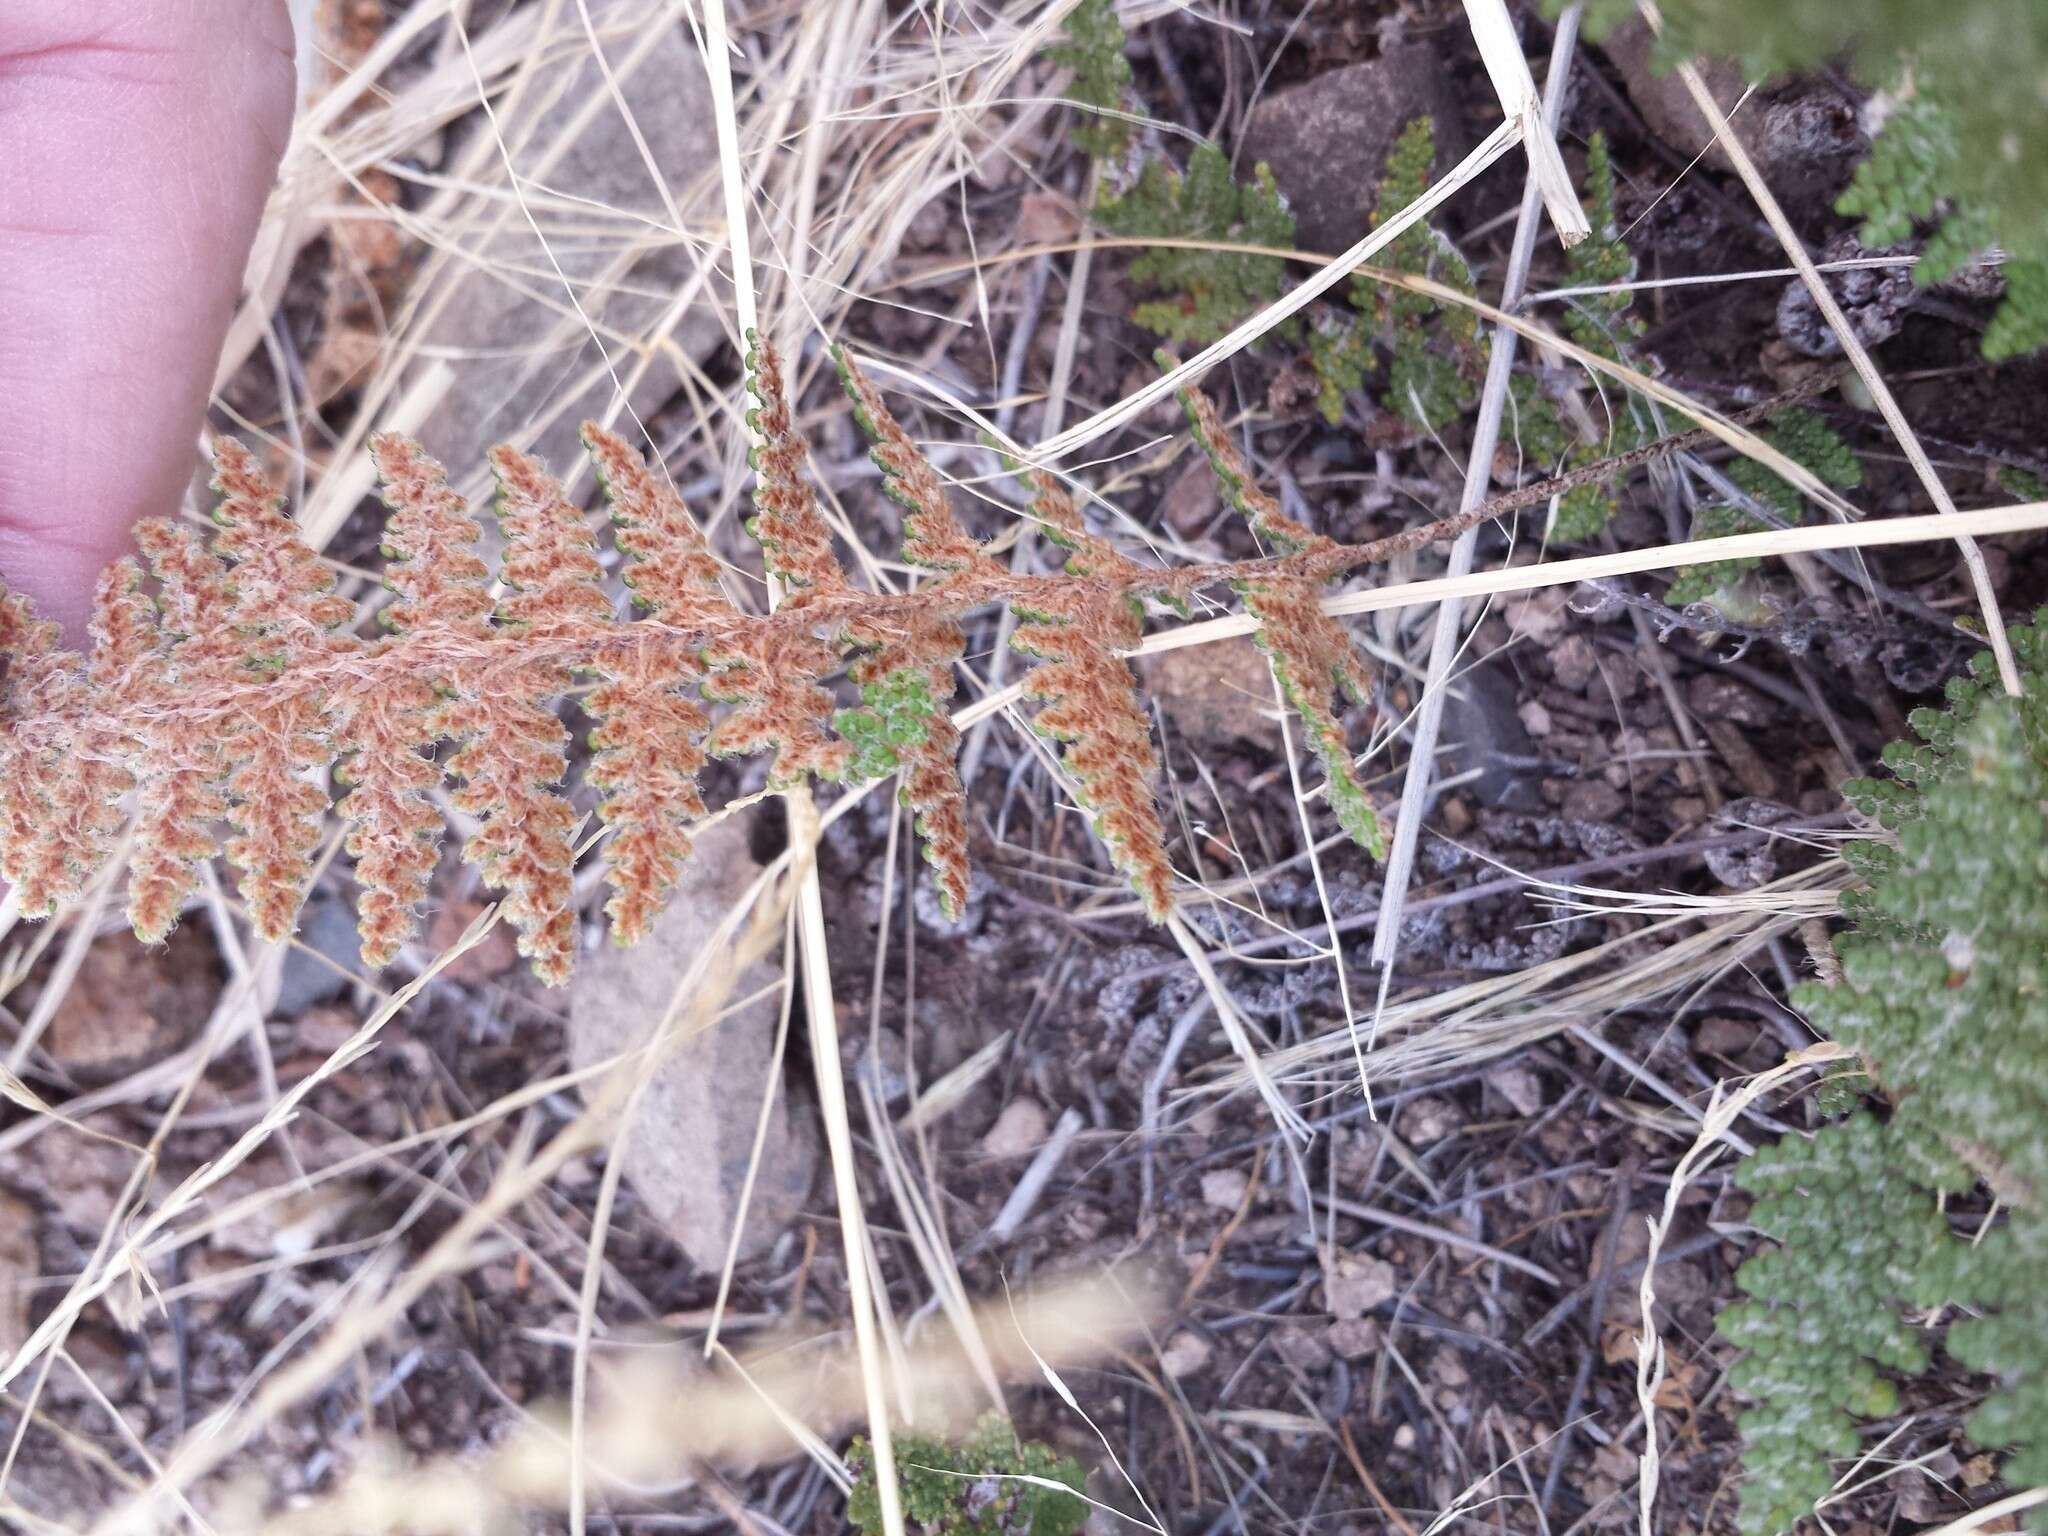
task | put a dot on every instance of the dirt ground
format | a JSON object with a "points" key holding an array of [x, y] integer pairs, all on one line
{"points": [[1430, 1301]]}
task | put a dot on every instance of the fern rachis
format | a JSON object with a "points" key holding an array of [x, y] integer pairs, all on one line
{"points": [[223, 687]]}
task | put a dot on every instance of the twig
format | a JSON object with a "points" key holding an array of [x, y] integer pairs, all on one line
{"points": [[1478, 470], [1401, 1521], [1024, 1198], [1444, 1235]]}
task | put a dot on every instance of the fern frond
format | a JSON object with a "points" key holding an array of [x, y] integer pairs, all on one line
{"points": [[650, 734], [795, 540], [437, 582], [179, 770], [227, 698], [774, 677], [1077, 633], [906, 678], [123, 633], [1094, 51], [1205, 292], [513, 747], [279, 742], [1312, 657], [33, 779]]}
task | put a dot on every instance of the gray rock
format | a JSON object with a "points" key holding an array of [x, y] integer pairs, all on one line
{"points": [[687, 1152], [503, 321], [1803, 134], [1667, 106], [1483, 728], [1744, 869], [332, 955], [1327, 138]]}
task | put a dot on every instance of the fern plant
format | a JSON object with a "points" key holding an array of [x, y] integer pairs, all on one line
{"points": [[1204, 292], [1944, 992], [1094, 51], [989, 1484], [1808, 441], [221, 683], [1199, 294]]}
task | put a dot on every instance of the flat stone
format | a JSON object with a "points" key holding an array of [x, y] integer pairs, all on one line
{"points": [[689, 1145], [1667, 106], [325, 961], [1224, 1188], [1483, 730], [1215, 694], [1019, 1130], [1185, 1354], [1353, 1338], [1355, 1283], [129, 1005], [1803, 134], [1326, 139]]}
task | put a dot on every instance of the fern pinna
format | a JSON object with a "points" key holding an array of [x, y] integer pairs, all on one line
{"points": [[224, 680]]}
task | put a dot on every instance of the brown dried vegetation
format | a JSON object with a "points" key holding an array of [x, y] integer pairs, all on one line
{"points": [[223, 681]]}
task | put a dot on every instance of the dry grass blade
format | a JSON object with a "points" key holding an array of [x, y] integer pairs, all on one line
{"points": [[1721, 1114]]}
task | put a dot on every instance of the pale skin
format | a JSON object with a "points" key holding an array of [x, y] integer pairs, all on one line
{"points": [[138, 141]]}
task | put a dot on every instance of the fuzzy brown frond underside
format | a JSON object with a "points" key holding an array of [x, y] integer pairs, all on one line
{"points": [[223, 681], [1312, 657]]}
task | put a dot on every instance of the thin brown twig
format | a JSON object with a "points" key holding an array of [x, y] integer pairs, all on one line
{"points": [[1401, 1522]]}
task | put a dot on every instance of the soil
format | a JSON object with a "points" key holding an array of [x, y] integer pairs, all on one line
{"points": [[1313, 1362]]}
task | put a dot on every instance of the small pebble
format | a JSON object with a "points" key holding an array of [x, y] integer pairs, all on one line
{"points": [[1224, 1188]]}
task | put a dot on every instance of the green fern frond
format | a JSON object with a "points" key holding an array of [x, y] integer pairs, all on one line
{"points": [[1808, 441], [1942, 994], [1094, 51], [1204, 293]]}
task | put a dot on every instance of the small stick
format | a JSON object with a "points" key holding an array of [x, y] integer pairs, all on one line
{"points": [[1032, 1185]]}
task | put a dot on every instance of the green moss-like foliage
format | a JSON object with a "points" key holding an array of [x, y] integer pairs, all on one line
{"points": [[1434, 376], [1094, 51], [1944, 992], [1958, 145], [1605, 325], [1824, 1310], [1909, 179], [978, 1487], [896, 714], [1340, 355], [1808, 441], [1204, 292], [1602, 323]]}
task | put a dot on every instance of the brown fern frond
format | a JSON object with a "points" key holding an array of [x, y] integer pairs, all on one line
{"points": [[795, 540], [430, 539], [278, 745], [770, 676], [773, 677], [391, 725], [513, 748], [88, 818], [179, 769], [932, 537], [670, 570], [649, 740], [40, 675], [1312, 657], [229, 698], [1076, 633], [906, 677]]}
